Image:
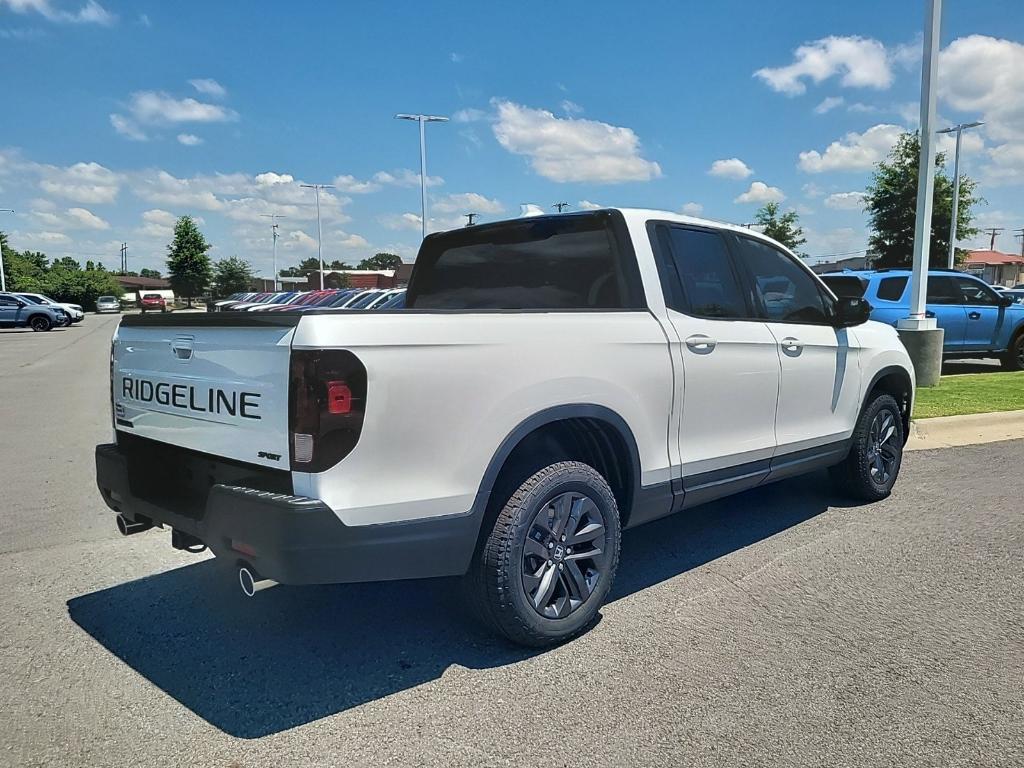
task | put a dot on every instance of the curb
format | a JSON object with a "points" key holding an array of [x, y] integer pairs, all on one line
{"points": [[970, 429]]}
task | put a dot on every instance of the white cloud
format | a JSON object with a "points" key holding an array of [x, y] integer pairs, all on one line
{"points": [[812, 190], [846, 201], [464, 202], [159, 108], [351, 185], [859, 62], [760, 192], [127, 128], [692, 209], [90, 13], [456, 58], [834, 241], [405, 178], [81, 182], [571, 108], [346, 240], [530, 209], [269, 179], [469, 115], [984, 76], [733, 168], [854, 152], [406, 221], [189, 139], [587, 205], [86, 219], [301, 240], [209, 87], [828, 104], [161, 217], [572, 150], [1006, 165]]}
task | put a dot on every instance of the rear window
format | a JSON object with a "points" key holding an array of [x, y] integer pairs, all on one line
{"points": [[571, 262], [891, 288], [845, 286]]}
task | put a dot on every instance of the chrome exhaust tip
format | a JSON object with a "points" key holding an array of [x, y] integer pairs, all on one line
{"points": [[251, 582], [128, 527]]}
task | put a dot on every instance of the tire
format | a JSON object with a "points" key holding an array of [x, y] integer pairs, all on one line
{"points": [[535, 601], [40, 323], [870, 470], [1013, 358]]}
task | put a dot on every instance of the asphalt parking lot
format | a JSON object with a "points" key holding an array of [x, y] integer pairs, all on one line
{"points": [[783, 627]]}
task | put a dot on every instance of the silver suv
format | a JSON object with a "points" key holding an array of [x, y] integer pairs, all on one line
{"points": [[16, 312]]}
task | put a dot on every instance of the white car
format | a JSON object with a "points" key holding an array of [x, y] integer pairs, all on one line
{"points": [[74, 312], [554, 380]]}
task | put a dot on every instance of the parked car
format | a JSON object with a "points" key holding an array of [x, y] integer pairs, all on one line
{"points": [[73, 312], [533, 398], [152, 302], [395, 302], [1016, 294], [18, 312], [108, 304], [232, 299], [978, 321]]}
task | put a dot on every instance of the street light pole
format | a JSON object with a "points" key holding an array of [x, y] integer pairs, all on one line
{"points": [[319, 234], [3, 277], [273, 226], [422, 120], [959, 129], [920, 333]]}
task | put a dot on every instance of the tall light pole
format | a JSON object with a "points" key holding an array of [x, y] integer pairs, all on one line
{"points": [[958, 129], [422, 120], [319, 234], [920, 334], [3, 278], [273, 227]]}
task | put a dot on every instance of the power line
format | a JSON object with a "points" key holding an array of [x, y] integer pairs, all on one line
{"points": [[560, 206], [992, 231], [469, 218]]}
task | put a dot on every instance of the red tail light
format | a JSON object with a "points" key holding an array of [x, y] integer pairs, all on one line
{"points": [[326, 403]]}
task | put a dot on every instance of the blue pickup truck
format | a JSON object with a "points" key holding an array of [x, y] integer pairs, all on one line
{"points": [[978, 321]]}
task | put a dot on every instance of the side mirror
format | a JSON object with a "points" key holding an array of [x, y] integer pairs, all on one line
{"points": [[851, 311], [1004, 301]]}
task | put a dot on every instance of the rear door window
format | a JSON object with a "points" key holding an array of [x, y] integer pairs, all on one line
{"points": [[569, 262], [697, 273], [942, 290], [891, 288]]}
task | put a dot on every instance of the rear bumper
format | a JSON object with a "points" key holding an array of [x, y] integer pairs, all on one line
{"points": [[297, 540]]}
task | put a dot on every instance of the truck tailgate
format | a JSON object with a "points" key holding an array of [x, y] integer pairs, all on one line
{"points": [[207, 383]]}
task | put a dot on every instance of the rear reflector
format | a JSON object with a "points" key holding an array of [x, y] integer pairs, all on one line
{"points": [[302, 448], [339, 397]]}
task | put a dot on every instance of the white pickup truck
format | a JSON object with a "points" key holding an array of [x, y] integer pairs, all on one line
{"points": [[552, 381]]}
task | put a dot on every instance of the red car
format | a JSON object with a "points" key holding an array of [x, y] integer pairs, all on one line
{"points": [[152, 302]]}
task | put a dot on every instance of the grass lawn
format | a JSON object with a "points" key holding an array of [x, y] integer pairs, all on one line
{"points": [[971, 393]]}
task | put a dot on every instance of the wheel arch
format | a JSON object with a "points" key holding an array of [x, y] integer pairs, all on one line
{"points": [[896, 381], [594, 434], [34, 315]]}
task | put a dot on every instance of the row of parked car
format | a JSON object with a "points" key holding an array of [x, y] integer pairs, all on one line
{"points": [[36, 311], [305, 301]]}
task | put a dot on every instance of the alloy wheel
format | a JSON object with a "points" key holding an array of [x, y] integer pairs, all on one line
{"points": [[564, 557], [883, 447]]}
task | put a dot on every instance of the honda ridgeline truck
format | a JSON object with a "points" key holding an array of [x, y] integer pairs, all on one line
{"points": [[552, 381]]}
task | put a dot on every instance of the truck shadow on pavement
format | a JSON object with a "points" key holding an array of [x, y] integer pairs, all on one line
{"points": [[293, 655]]}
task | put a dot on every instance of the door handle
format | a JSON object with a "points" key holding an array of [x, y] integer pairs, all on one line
{"points": [[701, 344], [791, 346], [974, 315]]}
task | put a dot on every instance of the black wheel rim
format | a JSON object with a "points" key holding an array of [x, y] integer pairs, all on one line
{"points": [[564, 556], [1020, 352], [39, 324], [883, 447]]}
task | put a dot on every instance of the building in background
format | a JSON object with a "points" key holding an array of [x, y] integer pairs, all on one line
{"points": [[996, 267]]}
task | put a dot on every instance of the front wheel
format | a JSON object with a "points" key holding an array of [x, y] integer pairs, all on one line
{"points": [[547, 565], [40, 323], [870, 470], [1013, 358]]}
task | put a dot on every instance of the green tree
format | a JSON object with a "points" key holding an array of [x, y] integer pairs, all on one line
{"points": [[187, 263], [149, 273], [891, 204], [784, 228], [338, 264], [231, 275], [381, 261]]}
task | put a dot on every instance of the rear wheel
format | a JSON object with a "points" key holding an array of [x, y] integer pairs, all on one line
{"points": [[546, 567], [873, 464], [1013, 358], [40, 323]]}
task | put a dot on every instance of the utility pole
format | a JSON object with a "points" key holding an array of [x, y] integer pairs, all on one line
{"points": [[423, 120], [469, 218], [560, 206], [124, 258], [319, 233], [3, 277], [992, 232], [960, 128], [273, 228], [920, 334], [1020, 234]]}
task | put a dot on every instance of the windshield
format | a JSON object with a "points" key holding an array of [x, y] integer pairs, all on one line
{"points": [[106, 299], [35, 298]]}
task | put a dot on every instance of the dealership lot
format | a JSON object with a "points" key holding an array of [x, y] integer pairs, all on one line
{"points": [[780, 627]]}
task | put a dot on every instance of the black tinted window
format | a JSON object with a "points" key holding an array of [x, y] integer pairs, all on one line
{"points": [[700, 279], [7, 301], [942, 290], [975, 292], [845, 286], [785, 290], [564, 262], [891, 288]]}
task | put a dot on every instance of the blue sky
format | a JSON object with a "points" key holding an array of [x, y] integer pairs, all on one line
{"points": [[120, 116]]}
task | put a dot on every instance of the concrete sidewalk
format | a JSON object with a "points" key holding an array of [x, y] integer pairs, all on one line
{"points": [[972, 429]]}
